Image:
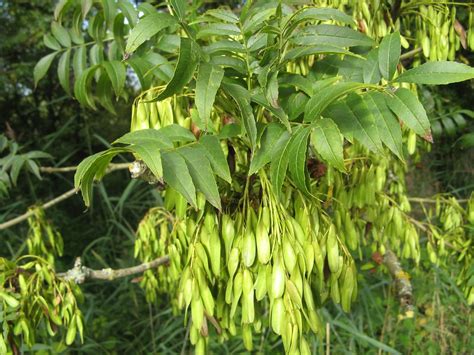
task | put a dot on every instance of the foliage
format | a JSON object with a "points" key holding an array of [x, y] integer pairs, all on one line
{"points": [[279, 117]]}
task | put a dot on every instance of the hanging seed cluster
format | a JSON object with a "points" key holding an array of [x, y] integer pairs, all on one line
{"points": [[436, 28], [43, 239], [34, 303]]}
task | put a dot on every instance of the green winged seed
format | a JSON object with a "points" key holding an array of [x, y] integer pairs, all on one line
{"points": [[248, 248], [278, 315], [263, 243]]}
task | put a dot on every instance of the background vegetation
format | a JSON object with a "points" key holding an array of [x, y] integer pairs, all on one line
{"points": [[117, 317]]}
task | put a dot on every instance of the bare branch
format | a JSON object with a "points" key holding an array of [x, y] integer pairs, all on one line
{"points": [[60, 198], [402, 281], [66, 169], [79, 273], [47, 205]]}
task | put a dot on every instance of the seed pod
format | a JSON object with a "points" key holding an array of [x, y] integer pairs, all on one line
{"points": [[142, 116], [197, 310], [200, 347], [263, 243], [315, 322], [278, 279], [71, 331], [207, 299], [295, 296], [298, 231], [265, 218], [309, 257], [332, 250], [202, 256], [248, 248], [228, 232], [233, 262], [247, 337], [347, 287], [215, 252], [261, 282], [154, 120], [335, 292], [289, 255], [248, 310], [237, 292], [304, 347], [278, 315]]}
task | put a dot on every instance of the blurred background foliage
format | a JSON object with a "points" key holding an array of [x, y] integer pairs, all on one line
{"points": [[118, 320]]}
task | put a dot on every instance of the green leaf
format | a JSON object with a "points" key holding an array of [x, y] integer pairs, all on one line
{"points": [[176, 174], [437, 73], [297, 163], [328, 142], [387, 124], [85, 7], [298, 81], [321, 14], [295, 105], [129, 11], [241, 97], [216, 156], [141, 66], [208, 82], [323, 98], [304, 51], [179, 8], [371, 71], [81, 87], [389, 55], [16, 165], [338, 36], [409, 110], [261, 100], [355, 120], [145, 136], [91, 167], [104, 94], [271, 91], [201, 173], [63, 70], [177, 133], [149, 152], [279, 162], [187, 62], [79, 60], [41, 68], [61, 34], [225, 45], [51, 42], [146, 28], [218, 29], [117, 74], [273, 131], [224, 15]]}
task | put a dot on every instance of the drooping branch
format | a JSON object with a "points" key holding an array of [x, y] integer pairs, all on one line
{"points": [[79, 273], [403, 284], [60, 198]]}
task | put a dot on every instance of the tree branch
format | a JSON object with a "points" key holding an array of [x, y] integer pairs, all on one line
{"points": [[403, 284], [79, 273], [47, 205], [60, 198], [66, 169]]}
